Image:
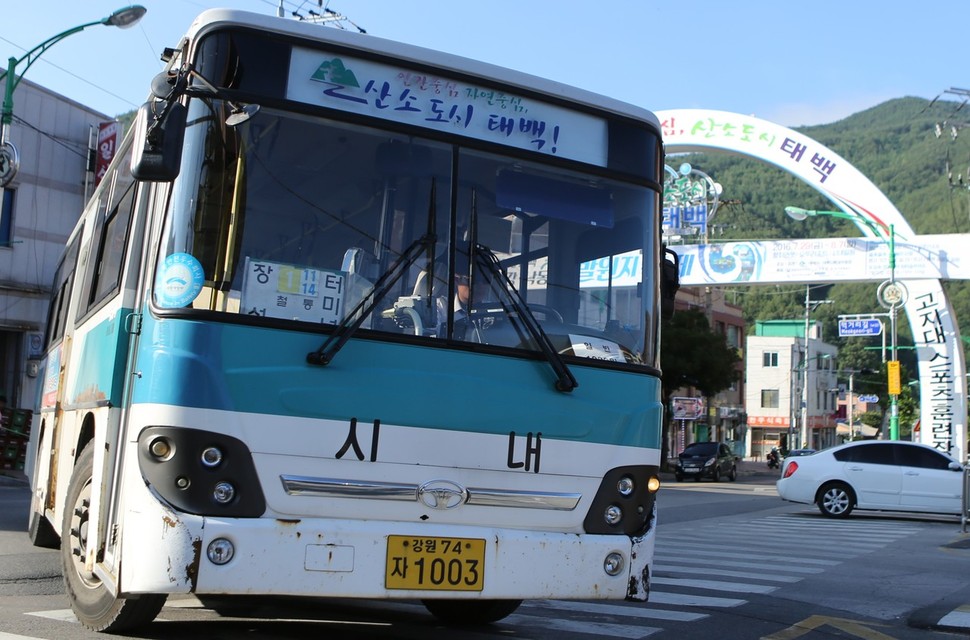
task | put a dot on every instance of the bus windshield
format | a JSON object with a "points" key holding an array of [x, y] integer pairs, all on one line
{"points": [[301, 219]]}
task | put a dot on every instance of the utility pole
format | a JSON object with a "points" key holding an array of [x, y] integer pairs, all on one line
{"points": [[851, 427], [810, 305]]}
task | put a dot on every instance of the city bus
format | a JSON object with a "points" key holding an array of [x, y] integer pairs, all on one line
{"points": [[347, 317]]}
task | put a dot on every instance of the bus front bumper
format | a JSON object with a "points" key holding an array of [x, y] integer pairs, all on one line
{"points": [[376, 559]]}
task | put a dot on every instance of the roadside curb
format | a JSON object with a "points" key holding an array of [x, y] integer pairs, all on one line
{"points": [[942, 618], [745, 470], [12, 478]]}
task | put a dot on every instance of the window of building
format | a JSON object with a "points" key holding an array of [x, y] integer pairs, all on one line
{"points": [[769, 359], [6, 218], [732, 335], [769, 398]]}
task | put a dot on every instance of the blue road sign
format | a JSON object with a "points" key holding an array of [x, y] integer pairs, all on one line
{"points": [[864, 327]]}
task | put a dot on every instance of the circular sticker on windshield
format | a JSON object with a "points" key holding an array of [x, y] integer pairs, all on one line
{"points": [[179, 281]]}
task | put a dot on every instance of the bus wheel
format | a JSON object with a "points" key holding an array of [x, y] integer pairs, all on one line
{"points": [[94, 605], [470, 612]]}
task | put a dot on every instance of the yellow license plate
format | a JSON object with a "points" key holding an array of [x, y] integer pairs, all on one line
{"points": [[440, 564]]}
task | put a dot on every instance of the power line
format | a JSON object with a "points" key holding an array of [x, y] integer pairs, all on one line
{"points": [[74, 75]]}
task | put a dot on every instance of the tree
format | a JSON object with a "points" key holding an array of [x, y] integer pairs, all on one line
{"points": [[692, 355]]}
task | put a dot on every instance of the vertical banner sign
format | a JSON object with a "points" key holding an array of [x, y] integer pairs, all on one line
{"points": [[892, 368], [107, 144]]}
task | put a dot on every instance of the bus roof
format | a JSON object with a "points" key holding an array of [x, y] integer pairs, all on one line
{"points": [[419, 55]]}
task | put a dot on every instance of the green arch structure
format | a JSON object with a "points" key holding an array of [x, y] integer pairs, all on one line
{"points": [[940, 356]]}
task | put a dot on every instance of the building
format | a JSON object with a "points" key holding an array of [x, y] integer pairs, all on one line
{"points": [[722, 417], [777, 382], [41, 205]]}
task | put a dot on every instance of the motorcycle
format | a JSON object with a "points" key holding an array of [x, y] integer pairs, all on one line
{"points": [[773, 459]]}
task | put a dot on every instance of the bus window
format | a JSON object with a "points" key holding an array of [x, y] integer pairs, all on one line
{"points": [[271, 242], [110, 240], [62, 290]]}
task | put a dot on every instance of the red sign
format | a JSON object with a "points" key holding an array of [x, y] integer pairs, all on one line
{"points": [[767, 421], [107, 144]]}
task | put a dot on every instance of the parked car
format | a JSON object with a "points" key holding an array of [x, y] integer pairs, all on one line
{"points": [[875, 475], [712, 460]]}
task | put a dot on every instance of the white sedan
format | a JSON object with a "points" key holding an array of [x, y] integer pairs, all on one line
{"points": [[875, 474]]}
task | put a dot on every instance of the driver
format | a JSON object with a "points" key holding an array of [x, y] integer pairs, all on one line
{"points": [[469, 285]]}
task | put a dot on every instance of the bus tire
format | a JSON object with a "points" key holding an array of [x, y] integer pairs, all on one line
{"points": [[470, 612], [92, 602]]}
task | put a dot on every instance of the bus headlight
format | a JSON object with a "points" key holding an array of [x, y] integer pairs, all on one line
{"points": [[223, 492], [624, 502], [211, 457], [613, 515], [201, 472], [161, 448], [625, 486]]}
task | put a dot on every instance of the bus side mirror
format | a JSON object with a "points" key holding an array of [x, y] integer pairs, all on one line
{"points": [[669, 282], [159, 132]]}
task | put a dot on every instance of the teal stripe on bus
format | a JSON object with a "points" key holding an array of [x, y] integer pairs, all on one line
{"points": [[229, 367], [100, 354]]}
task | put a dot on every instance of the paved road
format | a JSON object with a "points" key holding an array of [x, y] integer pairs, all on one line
{"points": [[732, 562]]}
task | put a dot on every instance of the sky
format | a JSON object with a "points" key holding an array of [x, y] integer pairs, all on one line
{"points": [[789, 62]]}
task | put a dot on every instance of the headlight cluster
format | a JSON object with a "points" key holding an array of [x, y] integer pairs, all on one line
{"points": [[624, 502], [201, 472]]}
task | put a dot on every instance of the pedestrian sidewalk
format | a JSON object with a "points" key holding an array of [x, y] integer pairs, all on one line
{"points": [[953, 613]]}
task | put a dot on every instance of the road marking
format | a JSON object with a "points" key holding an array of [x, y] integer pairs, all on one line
{"points": [[777, 565], [706, 550], [726, 573], [959, 617], [852, 627], [61, 615], [627, 611], [717, 585], [578, 626], [690, 600]]}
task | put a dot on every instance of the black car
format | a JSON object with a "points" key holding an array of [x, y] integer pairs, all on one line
{"points": [[712, 460]]}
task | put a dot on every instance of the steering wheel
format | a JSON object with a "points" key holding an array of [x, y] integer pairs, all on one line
{"points": [[549, 312]]}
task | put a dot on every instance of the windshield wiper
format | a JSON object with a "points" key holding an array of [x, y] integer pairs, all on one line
{"points": [[353, 320], [565, 381]]}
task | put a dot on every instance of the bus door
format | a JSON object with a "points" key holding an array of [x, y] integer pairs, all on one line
{"points": [[98, 381]]}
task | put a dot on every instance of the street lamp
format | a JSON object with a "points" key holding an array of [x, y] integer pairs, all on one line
{"points": [[9, 157], [890, 295]]}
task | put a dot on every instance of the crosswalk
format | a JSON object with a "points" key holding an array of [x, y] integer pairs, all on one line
{"points": [[713, 565]]}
